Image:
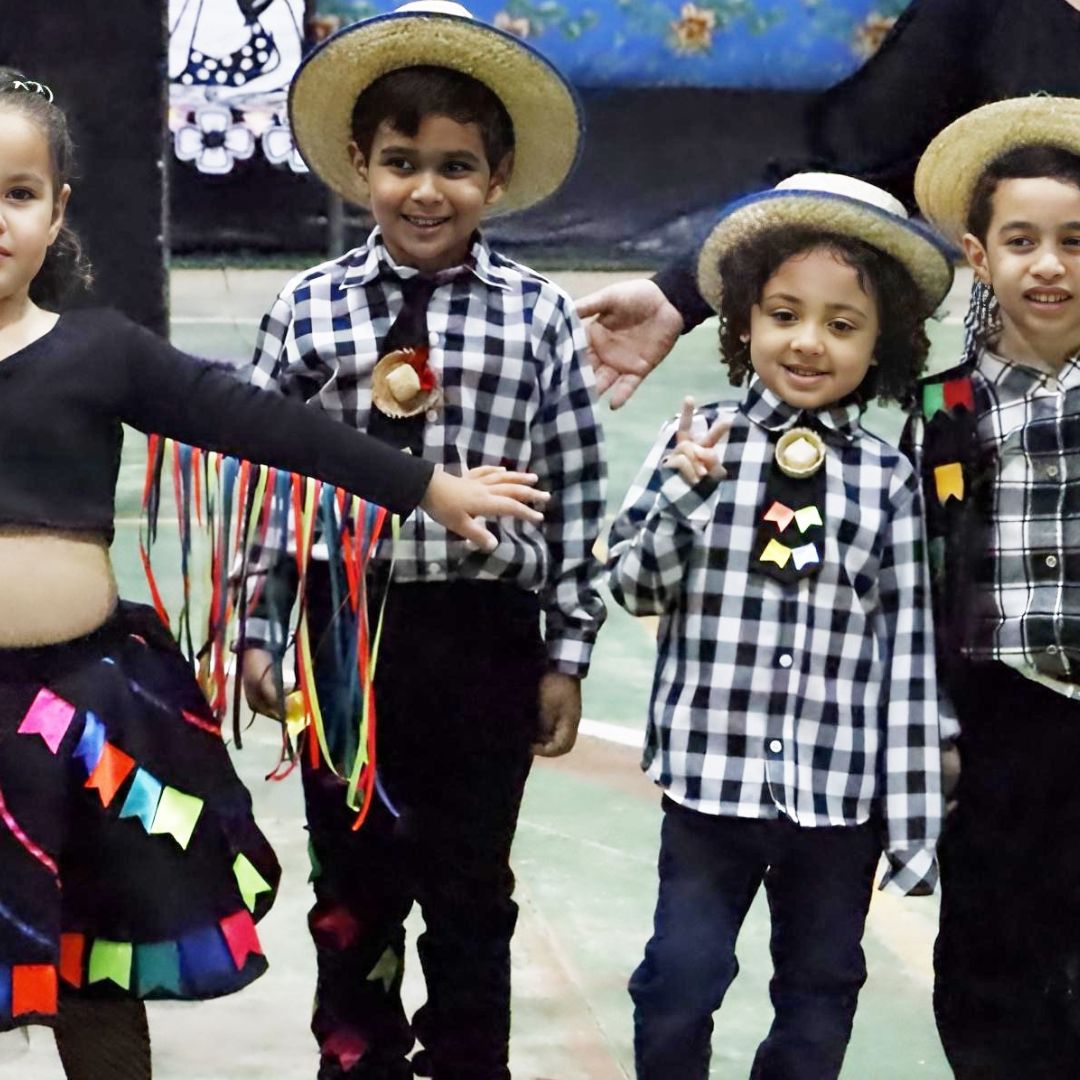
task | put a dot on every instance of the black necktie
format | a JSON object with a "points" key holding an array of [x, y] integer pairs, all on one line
{"points": [[409, 331]]}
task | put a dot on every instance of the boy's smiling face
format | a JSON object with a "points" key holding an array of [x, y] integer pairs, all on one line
{"points": [[429, 191], [1031, 259], [812, 333]]}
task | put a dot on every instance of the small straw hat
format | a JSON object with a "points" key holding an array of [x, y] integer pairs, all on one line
{"points": [[834, 204], [543, 108], [953, 162]]}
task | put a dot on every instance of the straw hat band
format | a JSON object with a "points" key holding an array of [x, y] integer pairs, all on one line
{"points": [[542, 107], [955, 160], [914, 248]]}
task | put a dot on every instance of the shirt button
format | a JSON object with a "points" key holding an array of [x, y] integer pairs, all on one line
{"points": [[433, 338], [434, 567], [1051, 470], [1052, 650], [431, 416], [1051, 561], [775, 745], [785, 660]]}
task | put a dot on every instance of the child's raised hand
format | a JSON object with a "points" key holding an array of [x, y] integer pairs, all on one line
{"points": [[457, 502], [695, 458]]}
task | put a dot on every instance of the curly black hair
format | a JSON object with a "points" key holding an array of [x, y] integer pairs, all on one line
{"points": [[66, 269], [902, 344]]}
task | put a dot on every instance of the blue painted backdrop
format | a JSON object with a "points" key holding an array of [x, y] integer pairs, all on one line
{"points": [[754, 44]]}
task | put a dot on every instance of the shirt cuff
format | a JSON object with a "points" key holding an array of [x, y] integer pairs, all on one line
{"points": [[262, 633], [911, 871], [571, 656]]}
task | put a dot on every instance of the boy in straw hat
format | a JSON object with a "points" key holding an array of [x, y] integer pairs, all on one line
{"points": [[427, 337], [999, 446], [794, 721]]}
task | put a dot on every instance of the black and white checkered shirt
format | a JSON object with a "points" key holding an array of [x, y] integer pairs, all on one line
{"points": [[510, 357], [816, 700], [1028, 585]]}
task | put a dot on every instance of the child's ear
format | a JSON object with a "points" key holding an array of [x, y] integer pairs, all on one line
{"points": [[977, 257], [59, 206], [359, 161], [500, 177]]}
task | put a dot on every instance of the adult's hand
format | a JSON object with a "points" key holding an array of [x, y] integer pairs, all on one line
{"points": [[632, 326]]}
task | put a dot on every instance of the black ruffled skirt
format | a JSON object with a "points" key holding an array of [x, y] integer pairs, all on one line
{"points": [[130, 863]]}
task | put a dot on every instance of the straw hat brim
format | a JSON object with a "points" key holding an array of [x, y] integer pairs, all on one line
{"points": [[914, 247], [543, 108], [953, 162]]}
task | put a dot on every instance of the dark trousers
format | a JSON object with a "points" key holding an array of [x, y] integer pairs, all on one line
{"points": [[1007, 958], [456, 699], [818, 883]]}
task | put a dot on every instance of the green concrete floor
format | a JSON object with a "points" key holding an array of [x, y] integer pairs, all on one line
{"points": [[585, 854]]}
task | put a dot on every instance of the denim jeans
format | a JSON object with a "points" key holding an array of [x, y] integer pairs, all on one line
{"points": [[818, 883]]}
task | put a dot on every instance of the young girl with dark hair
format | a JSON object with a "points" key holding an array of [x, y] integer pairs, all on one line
{"points": [[130, 865], [794, 719]]}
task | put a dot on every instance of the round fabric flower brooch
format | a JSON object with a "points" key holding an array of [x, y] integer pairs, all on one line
{"points": [[403, 384], [800, 452]]}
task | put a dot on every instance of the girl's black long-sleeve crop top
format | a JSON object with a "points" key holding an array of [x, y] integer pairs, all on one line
{"points": [[64, 397]]}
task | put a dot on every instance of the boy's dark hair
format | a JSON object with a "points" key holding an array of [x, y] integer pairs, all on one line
{"points": [[65, 269], [1023, 163], [902, 344], [406, 97]]}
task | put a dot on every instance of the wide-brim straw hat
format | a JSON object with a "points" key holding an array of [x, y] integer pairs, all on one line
{"points": [[834, 204], [542, 105], [953, 162]]}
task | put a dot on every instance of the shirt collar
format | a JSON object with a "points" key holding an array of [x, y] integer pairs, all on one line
{"points": [[372, 261], [1016, 380], [770, 412]]}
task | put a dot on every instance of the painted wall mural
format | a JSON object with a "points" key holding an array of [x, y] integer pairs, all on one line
{"points": [[230, 61]]}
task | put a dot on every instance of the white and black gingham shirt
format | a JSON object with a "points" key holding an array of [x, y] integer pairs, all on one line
{"points": [[817, 700], [1028, 614], [510, 357]]}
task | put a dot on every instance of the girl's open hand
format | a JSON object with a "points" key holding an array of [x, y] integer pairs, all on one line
{"points": [[695, 457], [490, 491]]}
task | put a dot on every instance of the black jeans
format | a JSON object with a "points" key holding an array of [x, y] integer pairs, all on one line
{"points": [[1007, 957], [818, 883], [456, 702]]}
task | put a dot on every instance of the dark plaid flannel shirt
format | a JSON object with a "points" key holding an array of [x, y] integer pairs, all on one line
{"points": [[510, 355], [1006, 546], [817, 700]]}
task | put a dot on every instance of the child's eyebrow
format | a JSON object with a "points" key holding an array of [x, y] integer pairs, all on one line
{"points": [[25, 177], [459, 155], [789, 298]]}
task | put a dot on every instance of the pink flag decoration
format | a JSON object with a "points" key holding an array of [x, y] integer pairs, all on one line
{"points": [[48, 716], [239, 932]]}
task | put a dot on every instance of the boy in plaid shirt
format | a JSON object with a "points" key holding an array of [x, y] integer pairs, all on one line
{"points": [[998, 443], [794, 720], [428, 338]]}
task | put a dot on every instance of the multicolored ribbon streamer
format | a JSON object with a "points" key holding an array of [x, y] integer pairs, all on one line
{"points": [[236, 506]]}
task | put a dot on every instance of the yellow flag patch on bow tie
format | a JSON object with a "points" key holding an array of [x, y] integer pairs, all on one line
{"points": [[949, 481], [775, 552]]}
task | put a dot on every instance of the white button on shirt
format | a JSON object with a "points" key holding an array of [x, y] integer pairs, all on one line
{"points": [[785, 661]]}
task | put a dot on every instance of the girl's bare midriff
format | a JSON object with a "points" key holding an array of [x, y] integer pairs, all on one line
{"points": [[54, 585]]}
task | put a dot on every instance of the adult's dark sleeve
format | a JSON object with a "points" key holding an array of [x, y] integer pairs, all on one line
{"points": [[876, 123], [678, 282], [166, 391]]}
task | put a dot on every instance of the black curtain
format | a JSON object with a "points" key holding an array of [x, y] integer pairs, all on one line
{"points": [[105, 62]]}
